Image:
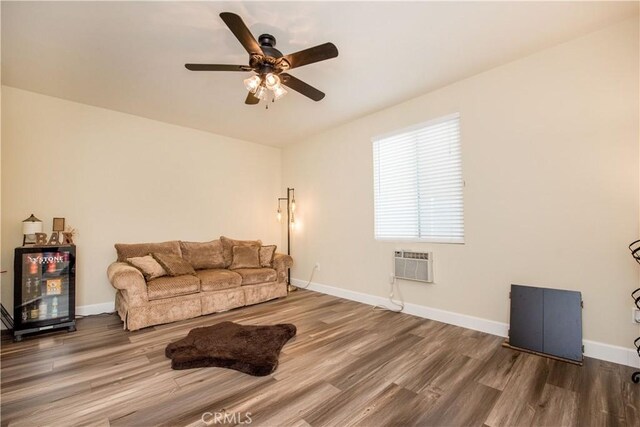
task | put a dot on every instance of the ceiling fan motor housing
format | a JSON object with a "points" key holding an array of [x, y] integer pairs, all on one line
{"points": [[267, 40], [268, 43]]}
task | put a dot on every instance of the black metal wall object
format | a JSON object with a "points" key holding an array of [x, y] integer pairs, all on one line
{"points": [[634, 247], [7, 320]]}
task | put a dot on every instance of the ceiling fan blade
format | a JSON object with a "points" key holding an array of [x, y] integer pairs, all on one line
{"points": [[311, 55], [242, 33], [299, 86], [251, 99], [216, 67]]}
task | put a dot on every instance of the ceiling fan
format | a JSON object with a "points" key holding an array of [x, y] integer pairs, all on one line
{"points": [[269, 64]]}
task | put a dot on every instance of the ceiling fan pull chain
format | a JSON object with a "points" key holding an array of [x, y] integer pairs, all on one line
{"points": [[273, 99]]}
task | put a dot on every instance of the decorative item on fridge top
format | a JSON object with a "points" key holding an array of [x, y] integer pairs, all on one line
{"points": [[41, 239], [30, 227], [58, 224], [69, 234]]}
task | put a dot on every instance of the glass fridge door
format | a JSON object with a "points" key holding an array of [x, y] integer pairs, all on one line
{"points": [[45, 285]]}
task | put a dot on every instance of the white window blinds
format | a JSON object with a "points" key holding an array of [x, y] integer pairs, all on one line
{"points": [[418, 184]]}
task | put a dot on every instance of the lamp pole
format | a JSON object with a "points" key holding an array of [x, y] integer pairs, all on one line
{"points": [[291, 200]]}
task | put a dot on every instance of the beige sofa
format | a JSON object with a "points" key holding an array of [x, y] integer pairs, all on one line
{"points": [[168, 299]]}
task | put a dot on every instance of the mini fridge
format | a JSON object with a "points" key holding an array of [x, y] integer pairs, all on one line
{"points": [[44, 289]]}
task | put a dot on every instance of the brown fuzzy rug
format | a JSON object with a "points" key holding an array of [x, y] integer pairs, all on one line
{"points": [[251, 349]]}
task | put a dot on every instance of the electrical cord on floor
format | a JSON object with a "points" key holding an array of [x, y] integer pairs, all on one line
{"points": [[391, 297], [313, 270], [380, 307]]}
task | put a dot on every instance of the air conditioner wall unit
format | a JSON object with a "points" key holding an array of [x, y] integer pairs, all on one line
{"points": [[412, 265]]}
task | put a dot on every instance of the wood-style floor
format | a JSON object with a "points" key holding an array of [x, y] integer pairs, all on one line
{"points": [[348, 365]]}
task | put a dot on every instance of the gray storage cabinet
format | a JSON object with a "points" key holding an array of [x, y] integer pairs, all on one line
{"points": [[546, 321]]}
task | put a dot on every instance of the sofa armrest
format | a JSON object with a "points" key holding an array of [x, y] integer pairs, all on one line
{"points": [[281, 262], [130, 281]]}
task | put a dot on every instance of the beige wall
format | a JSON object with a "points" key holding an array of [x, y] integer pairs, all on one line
{"points": [[550, 151], [550, 158], [121, 178]]}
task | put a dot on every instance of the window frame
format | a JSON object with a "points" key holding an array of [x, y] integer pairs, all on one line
{"points": [[408, 129]]}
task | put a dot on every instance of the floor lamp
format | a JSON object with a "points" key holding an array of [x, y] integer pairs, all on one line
{"points": [[291, 207]]}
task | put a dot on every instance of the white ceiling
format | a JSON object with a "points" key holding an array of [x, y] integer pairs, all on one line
{"points": [[129, 56]]}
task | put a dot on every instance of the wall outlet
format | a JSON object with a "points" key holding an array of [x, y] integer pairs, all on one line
{"points": [[635, 315], [317, 266]]}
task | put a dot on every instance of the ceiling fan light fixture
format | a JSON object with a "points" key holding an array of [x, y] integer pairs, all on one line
{"points": [[252, 83], [261, 92], [272, 81], [278, 92]]}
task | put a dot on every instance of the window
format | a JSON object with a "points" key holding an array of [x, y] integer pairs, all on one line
{"points": [[418, 183]]}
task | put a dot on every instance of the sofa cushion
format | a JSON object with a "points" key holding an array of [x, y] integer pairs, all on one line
{"points": [[266, 255], [203, 255], [245, 257], [174, 265], [131, 250], [228, 244], [148, 266], [252, 276], [168, 287], [218, 279]]}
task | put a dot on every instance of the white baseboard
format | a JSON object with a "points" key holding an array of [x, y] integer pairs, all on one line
{"points": [[611, 353], [87, 310], [469, 322], [595, 349]]}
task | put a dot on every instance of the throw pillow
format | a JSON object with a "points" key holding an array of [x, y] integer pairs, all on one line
{"points": [[174, 265], [228, 244], [245, 257], [266, 255], [203, 255], [132, 250], [148, 266]]}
